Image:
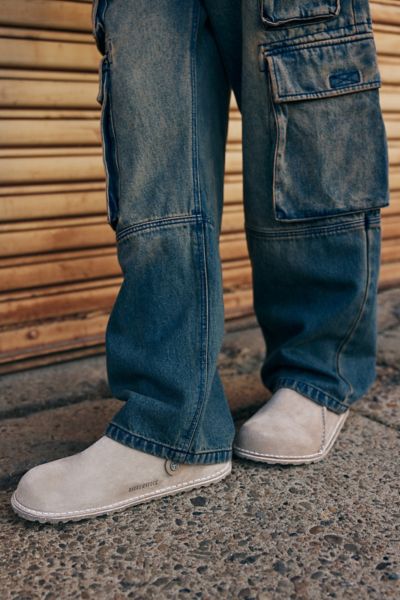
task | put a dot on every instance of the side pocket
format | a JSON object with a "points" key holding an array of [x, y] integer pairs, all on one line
{"points": [[331, 152], [109, 145], [291, 12]]}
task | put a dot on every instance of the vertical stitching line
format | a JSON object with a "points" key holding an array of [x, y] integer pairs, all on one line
{"points": [[323, 439], [200, 236], [354, 16], [115, 149], [275, 180], [356, 321]]}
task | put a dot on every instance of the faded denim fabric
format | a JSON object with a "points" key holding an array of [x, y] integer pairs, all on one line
{"points": [[315, 162]]}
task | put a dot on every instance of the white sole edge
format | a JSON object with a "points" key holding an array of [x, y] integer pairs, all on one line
{"points": [[30, 515], [295, 460]]}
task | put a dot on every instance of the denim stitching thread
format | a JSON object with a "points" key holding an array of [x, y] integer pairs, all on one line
{"points": [[305, 232], [159, 223], [201, 235], [280, 45], [306, 20], [338, 91], [300, 386], [173, 448], [116, 156], [356, 321], [275, 183]]}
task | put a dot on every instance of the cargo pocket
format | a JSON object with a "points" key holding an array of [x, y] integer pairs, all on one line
{"points": [[109, 146], [331, 149], [292, 12]]}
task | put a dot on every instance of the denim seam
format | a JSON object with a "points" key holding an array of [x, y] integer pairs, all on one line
{"points": [[327, 15], [338, 91], [95, 15], [159, 223], [201, 235], [323, 437], [318, 232], [116, 154], [356, 320], [274, 46], [139, 436], [206, 312], [275, 185], [349, 39], [355, 24], [299, 385]]}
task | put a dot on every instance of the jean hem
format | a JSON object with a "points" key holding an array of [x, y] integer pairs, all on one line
{"points": [[163, 451], [309, 390]]}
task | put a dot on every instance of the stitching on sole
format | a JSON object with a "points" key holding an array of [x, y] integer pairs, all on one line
{"points": [[121, 503], [304, 456]]}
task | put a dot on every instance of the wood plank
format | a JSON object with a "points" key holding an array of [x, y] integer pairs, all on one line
{"points": [[392, 129], [394, 153], [16, 93], [51, 169], [49, 113], [59, 271], [48, 188], [389, 275], [43, 338], [45, 54], [391, 251], [49, 75], [48, 359], [68, 204], [389, 100], [58, 305], [385, 13], [73, 16], [65, 164], [386, 43], [46, 34], [391, 227], [394, 205]]}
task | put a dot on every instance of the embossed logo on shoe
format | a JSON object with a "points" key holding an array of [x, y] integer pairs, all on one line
{"points": [[141, 486]]}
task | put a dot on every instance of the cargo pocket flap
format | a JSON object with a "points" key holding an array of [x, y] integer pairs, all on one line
{"points": [[319, 69], [279, 12]]}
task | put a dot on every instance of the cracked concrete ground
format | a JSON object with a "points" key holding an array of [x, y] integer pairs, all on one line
{"points": [[325, 530]]}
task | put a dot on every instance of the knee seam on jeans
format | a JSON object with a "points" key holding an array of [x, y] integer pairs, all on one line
{"points": [[160, 223], [304, 231]]}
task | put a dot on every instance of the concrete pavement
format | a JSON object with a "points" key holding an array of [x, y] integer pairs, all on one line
{"points": [[328, 530]]}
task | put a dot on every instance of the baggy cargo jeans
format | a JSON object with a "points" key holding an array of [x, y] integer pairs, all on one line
{"points": [[315, 170]]}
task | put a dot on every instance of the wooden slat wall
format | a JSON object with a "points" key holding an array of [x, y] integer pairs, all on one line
{"points": [[59, 273]]}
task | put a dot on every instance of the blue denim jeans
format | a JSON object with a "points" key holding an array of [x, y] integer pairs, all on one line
{"points": [[315, 169]]}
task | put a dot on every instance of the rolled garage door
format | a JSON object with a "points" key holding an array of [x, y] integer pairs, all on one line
{"points": [[59, 273]]}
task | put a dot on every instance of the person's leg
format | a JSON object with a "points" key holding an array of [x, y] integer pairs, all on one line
{"points": [[315, 178], [165, 98], [169, 96]]}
